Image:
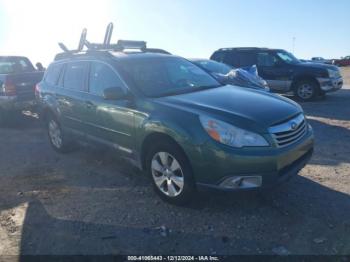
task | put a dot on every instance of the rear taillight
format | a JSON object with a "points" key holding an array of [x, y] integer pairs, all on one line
{"points": [[8, 88], [37, 90]]}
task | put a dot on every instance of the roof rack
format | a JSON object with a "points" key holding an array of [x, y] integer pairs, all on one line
{"points": [[67, 52], [120, 46]]}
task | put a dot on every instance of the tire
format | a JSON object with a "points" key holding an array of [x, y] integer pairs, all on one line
{"points": [[56, 136], [306, 90], [170, 172]]}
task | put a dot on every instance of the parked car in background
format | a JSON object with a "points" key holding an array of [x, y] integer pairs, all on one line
{"points": [[321, 60], [226, 74], [283, 71], [174, 120], [342, 62], [18, 78], [304, 60]]}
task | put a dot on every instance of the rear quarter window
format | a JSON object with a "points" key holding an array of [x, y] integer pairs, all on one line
{"points": [[218, 56]]}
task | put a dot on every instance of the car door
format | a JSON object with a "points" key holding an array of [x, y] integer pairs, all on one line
{"points": [[114, 118], [274, 71], [72, 97]]}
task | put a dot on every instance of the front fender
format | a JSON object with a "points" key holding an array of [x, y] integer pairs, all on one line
{"points": [[186, 131]]}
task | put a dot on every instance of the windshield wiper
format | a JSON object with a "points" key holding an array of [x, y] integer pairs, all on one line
{"points": [[191, 90]]}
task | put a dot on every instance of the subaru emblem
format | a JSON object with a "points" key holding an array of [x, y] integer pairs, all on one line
{"points": [[293, 125]]}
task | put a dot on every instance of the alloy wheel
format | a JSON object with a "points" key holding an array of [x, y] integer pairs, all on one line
{"points": [[305, 91], [55, 134], [167, 174]]}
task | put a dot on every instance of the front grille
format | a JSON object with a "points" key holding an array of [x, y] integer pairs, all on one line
{"points": [[289, 132]]}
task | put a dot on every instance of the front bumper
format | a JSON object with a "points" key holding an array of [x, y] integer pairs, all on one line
{"points": [[330, 84], [273, 165], [280, 177], [10, 103]]}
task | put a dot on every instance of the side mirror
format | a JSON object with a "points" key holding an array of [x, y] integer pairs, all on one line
{"points": [[114, 93]]}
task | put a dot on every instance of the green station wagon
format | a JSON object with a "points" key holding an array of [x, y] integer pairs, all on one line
{"points": [[175, 121]]}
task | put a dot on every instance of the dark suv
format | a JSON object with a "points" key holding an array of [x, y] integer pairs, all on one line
{"points": [[284, 72], [174, 120]]}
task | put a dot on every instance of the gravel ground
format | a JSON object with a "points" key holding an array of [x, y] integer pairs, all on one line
{"points": [[90, 202], [346, 74]]}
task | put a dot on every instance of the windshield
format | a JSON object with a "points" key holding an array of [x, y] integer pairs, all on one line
{"points": [[162, 76], [10, 65], [214, 67], [288, 57]]}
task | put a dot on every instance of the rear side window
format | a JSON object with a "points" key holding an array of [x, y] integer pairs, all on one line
{"points": [[246, 58], [102, 77], [53, 74], [227, 57], [232, 59], [75, 76], [25, 64], [266, 59], [12, 65]]}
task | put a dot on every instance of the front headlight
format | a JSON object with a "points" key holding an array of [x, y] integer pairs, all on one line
{"points": [[332, 73], [230, 135]]}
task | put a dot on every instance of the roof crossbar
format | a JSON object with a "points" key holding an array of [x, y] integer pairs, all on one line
{"points": [[131, 44]]}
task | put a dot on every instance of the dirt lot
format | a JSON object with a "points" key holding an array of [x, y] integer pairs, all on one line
{"points": [[346, 75], [90, 202]]}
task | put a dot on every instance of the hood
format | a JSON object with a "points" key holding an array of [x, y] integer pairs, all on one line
{"points": [[318, 66], [231, 103]]}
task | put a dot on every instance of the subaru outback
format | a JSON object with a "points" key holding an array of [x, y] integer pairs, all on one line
{"points": [[175, 121]]}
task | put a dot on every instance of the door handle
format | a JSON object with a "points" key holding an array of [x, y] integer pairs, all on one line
{"points": [[89, 104]]}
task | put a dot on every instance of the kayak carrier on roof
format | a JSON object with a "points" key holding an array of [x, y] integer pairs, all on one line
{"points": [[120, 46]]}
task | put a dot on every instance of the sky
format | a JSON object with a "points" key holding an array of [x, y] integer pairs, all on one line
{"points": [[189, 28]]}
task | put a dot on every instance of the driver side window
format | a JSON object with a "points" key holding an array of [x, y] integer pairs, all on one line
{"points": [[102, 77], [266, 59]]}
